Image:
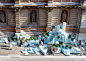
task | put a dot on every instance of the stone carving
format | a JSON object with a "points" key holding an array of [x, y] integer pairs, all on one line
{"points": [[2, 17], [33, 16], [64, 16]]}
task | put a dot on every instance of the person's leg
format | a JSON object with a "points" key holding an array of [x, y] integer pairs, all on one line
{"points": [[80, 52], [76, 44], [52, 52]]}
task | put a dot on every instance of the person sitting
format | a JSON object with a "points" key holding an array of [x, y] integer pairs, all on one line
{"points": [[9, 40], [20, 41], [25, 42], [79, 42], [54, 50], [43, 38], [41, 42]]}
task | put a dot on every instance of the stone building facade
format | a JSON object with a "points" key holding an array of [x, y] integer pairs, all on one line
{"points": [[38, 16]]}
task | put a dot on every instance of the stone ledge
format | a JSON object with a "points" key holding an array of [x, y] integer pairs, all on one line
{"points": [[82, 31]]}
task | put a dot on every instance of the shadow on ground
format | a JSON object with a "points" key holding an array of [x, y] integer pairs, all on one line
{"points": [[5, 48]]}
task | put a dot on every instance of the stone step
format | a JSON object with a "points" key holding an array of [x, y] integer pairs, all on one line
{"points": [[6, 34], [82, 36], [3, 24], [34, 33], [70, 33], [49, 25], [1, 37], [33, 25]]}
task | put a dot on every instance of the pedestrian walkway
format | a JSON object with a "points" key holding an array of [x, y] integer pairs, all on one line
{"points": [[43, 58], [16, 51]]}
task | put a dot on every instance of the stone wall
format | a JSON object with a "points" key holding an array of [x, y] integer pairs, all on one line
{"points": [[42, 17], [55, 16], [73, 17], [10, 17], [24, 17]]}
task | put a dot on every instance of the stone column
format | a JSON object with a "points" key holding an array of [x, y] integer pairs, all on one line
{"points": [[82, 30], [17, 19], [78, 23], [49, 19]]}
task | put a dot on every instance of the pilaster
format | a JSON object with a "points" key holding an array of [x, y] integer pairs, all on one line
{"points": [[17, 19], [49, 19]]}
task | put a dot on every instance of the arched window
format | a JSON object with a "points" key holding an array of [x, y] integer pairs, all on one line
{"points": [[64, 16], [2, 17], [33, 16]]}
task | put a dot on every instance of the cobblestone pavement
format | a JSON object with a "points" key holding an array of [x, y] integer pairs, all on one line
{"points": [[4, 51]]}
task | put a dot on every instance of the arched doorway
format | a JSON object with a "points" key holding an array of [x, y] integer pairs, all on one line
{"points": [[33, 16], [2, 17]]}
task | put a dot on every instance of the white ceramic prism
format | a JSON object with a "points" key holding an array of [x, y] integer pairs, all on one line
{"points": [[58, 27], [64, 27]]}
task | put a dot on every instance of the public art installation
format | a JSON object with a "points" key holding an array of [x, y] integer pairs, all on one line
{"points": [[57, 37]]}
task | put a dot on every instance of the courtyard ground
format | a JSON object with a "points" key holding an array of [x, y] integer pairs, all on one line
{"points": [[16, 51], [43, 58]]}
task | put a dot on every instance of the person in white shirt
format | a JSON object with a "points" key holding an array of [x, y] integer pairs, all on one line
{"points": [[43, 38], [25, 42], [10, 45], [81, 50], [41, 43], [75, 42]]}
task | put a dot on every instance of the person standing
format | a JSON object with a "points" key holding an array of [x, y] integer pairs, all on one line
{"points": [[10, 45], [75, 42], [82, 50]]}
